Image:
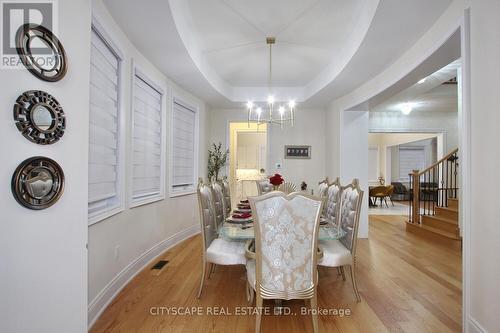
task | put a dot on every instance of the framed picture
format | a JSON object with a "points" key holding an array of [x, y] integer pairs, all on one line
{"points": [[298, 152]]}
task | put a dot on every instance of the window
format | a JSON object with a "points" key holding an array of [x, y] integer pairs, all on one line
{"points": [[105, 169], [148, 143], [410, 158], [184, 149]]}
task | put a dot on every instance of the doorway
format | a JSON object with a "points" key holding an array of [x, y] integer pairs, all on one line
{"points": [[248, 158]]}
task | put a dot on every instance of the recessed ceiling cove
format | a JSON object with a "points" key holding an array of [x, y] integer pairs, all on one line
{"points": [[226, 40]]}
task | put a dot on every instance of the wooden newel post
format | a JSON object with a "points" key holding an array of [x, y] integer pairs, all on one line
{"points": [[415, 218]]}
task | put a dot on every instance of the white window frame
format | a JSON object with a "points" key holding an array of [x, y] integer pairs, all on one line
{"points": [[120, 188], [190, 190], [138, 71]]}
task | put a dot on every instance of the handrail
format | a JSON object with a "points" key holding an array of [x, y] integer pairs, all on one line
{"points": [[447, 156], [433, 186]]}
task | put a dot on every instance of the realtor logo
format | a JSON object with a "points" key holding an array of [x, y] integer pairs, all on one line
{"points": [[16, 13]]}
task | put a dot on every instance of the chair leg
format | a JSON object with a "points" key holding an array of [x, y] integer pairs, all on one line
{"points": [[392, 202], [339, 271], [386, 205], [314, 312], [354, 285], [203, 269], [211, 270], [258, 318], [342, 272]]}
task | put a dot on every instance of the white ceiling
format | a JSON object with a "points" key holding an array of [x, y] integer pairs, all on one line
{"points": [[430, 95], [231, 36], [325, 48]]}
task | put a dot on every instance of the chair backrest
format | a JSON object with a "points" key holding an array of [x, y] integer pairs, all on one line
{"points": [[286, 237], [378, 191], [219, 203], [333, 199], [263, 186], [287, 188], [323, 188], [207, 213], [390, 190], [227, 196], [350, 209]]}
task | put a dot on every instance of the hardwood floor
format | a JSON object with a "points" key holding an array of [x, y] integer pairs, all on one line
{"points": [[408, 283]]}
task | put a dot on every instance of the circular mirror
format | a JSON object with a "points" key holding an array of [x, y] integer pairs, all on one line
{"points": [[37, 183], [41, 52], [39, 117], [42, 117]]}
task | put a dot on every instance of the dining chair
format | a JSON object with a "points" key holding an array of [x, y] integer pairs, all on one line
{"points": [[378, 192], [227, 196], [216, 251], [333, 196], [287, 188], [286, 238], [323, 187], [388, 194], [263, 186], [342, 252], [219, 202]]}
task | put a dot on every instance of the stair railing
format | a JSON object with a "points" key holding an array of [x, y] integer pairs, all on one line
{"points": [[433, 187]]}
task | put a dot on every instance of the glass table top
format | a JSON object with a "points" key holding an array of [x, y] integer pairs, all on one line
{"points": [[234, 231]]}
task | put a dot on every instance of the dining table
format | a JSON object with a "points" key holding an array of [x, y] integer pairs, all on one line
{"points": [[244, 231]]}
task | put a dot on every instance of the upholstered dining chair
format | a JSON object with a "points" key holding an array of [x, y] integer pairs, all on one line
{"points": [[287, 188], [333, 196], [216, 251], [227, 196], [220, 203], [286, 237], [323, 188], [263, 186], [342, 252]]}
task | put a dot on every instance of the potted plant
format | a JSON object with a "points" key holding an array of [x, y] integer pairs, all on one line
{"points": [[217, 159]]}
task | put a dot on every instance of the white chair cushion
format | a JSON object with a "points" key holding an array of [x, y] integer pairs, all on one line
{"points": [[335, 254], [223, 252], [251, 272]]}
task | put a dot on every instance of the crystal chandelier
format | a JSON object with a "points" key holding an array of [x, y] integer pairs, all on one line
{"points": [[256, 111]]}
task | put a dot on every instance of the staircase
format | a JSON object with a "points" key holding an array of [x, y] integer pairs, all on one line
{"points": [[434, 204]]}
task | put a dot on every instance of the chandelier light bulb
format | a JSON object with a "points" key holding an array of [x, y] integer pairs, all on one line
{"points": [[282, 110], [259, 111], [270, 99], [249, 105], [291, 104]]}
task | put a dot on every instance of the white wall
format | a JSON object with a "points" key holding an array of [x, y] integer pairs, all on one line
{"points": [[431, 121], [309, 129], [485, 160], [143, 232], [43, 259], [354, 152]]}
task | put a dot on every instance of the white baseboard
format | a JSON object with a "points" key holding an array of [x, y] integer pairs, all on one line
{"points": [[474, 327], [106, 295]]}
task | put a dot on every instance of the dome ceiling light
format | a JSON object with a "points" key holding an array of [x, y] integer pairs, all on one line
{"points": [[406, 108], [285, 110]]}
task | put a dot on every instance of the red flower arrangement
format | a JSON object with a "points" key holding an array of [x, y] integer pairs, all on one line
{"points": [[276, 180]]}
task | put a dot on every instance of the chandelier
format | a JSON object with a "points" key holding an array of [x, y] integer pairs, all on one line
{"points": [[264, 112]]}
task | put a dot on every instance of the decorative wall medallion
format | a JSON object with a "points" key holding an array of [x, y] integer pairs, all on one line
{"points": [[37, 183], [48, 66], [39, 117]]}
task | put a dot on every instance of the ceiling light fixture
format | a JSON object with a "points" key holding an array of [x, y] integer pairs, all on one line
{"points": [[406, 108], [284, 118], [422, 80]]}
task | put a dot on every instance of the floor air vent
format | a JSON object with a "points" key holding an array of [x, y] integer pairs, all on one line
{"points": [[158, 267]]}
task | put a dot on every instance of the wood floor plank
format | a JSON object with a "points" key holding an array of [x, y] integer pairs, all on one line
{"points": [[408, 283]]}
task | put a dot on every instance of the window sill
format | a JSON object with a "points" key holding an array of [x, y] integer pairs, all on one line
{"points": [[180, 193], [105, 214], [147, 200]]}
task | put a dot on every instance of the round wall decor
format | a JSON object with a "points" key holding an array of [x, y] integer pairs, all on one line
{"points": [[39, 117], [48, 63], [37, 183]]}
